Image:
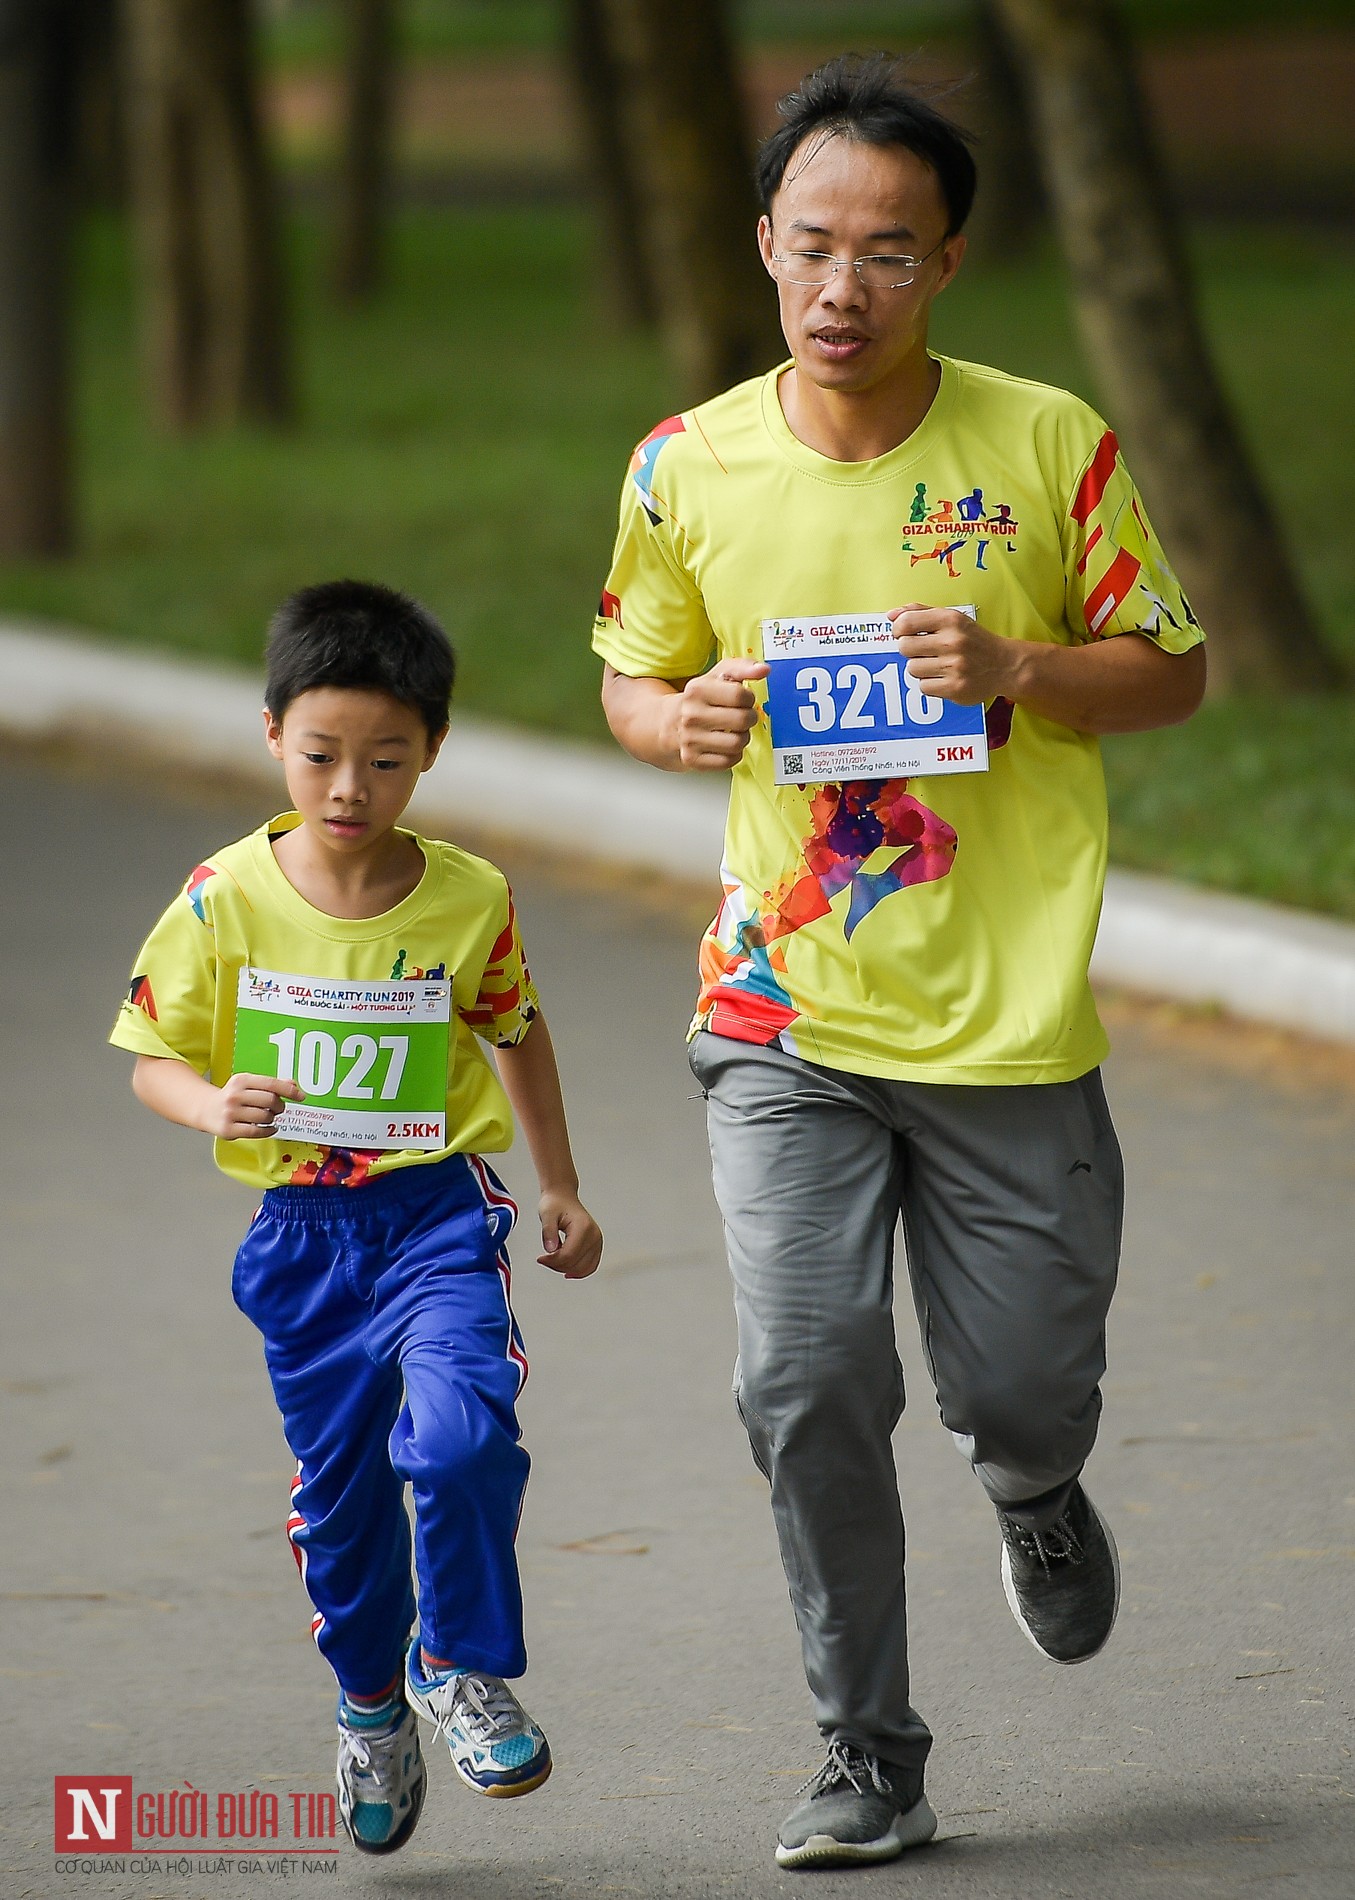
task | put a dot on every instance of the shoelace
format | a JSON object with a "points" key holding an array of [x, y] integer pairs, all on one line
{"points": [[849, 1764], [487, 1708], [373, 1755], [1057, 1544]]}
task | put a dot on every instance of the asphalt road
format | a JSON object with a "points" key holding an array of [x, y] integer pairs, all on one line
{"points": [[153, 1625]]}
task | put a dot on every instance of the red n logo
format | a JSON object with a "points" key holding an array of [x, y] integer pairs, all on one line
{"points": [[93, 1814]]}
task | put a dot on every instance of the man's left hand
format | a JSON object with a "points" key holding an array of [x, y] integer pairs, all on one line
{"points": [[952, 657]]}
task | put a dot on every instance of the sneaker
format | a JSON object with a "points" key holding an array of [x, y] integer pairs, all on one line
{"points": [[1063, 1583], [497, 1749], [381, 1780], [858, 1808]]}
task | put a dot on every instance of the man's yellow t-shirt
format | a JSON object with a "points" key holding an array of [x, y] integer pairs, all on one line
{"points": [[237, 910], [928, 929]]}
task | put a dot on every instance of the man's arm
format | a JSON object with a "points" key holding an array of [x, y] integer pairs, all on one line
{"points": [[1122, 684], [695, 725]]}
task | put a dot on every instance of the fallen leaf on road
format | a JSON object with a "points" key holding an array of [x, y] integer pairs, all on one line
{"points": [[609, 1544]]}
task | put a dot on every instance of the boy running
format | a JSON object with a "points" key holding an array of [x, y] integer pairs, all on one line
{"points": [[312, 999]]}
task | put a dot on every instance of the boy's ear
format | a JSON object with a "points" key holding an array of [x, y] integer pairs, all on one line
{"points": [[434, 747], [272, 733]]}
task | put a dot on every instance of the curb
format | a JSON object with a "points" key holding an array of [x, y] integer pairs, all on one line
{"points": [[1256, 960]]}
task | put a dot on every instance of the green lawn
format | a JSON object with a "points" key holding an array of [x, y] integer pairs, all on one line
{"points": [[466, 439]]}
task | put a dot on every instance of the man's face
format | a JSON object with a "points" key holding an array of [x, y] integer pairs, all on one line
{"points": [[856, 200]]}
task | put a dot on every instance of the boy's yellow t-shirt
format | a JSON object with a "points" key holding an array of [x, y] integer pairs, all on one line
{"points": [[238, 909], [928, 929]]}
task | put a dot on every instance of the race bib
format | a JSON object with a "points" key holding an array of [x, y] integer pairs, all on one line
{"points": [[371, 1057], [841, 706]]}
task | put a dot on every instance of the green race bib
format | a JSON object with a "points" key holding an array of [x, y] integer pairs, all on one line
{"points": [[371, 1057]]}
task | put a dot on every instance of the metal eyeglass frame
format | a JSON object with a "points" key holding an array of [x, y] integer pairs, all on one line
{"points": [[854, 263]]}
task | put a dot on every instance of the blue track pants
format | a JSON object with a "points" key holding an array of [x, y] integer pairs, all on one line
{"points": [[395, 1360]]}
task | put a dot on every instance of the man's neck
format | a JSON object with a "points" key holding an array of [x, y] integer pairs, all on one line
{"points": [[858, 425]]}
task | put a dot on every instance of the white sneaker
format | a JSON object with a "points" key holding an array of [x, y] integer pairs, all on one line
{"points": [[381, 1780], [496, 1747]]}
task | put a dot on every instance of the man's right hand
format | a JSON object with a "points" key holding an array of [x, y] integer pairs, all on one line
{"points": [[715, 714]]}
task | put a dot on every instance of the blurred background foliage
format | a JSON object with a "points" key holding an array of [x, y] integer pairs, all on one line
{"points": [[463, 429]]}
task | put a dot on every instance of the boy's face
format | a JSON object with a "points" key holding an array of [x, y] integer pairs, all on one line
{"points": [[352, 757]]}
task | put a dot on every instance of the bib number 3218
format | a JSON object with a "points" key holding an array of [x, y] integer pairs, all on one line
{"points": [[841, 705]]}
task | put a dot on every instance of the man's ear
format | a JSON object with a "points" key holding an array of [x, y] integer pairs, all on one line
{"points": [[765, 242]]}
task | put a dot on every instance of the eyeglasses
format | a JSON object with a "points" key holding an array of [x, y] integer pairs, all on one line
{"points": [[884, 271]]}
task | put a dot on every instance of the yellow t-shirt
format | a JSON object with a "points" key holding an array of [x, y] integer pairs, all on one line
{"points": [[238, 909], [933, 929]]}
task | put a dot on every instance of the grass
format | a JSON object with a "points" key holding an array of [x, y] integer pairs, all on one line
{"points": [[465, 438], [314, 32]]}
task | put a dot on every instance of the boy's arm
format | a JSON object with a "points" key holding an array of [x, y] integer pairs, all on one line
{"points": [[570, 1236], [246, 1108]]}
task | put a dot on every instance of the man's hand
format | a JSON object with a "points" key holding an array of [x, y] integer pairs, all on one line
{"points": [[247, 1107], [952, 657], [570, 1238], [715, 713], [1123, 684]]}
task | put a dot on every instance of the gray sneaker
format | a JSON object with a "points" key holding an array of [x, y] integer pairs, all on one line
{"points": [[857, 1808], [1063, 1583]]}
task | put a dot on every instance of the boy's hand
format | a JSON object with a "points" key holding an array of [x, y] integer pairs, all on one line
{"points": [[247, 1107], [570, 1237]]}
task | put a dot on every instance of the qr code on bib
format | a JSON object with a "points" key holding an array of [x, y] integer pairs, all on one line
{"points": [[793, 763]]}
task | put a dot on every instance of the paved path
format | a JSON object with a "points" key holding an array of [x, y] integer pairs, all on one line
{"points": [[152, 1621]]}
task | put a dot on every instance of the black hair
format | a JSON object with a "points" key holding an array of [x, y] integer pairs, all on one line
{"points": [[358, 633], [861, 96]]}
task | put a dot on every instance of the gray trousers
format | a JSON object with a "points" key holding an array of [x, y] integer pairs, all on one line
{"points": [[1011, 1202]]}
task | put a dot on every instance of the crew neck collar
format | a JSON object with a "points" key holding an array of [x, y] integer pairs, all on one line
{"points": [[342, 929], [881, 468]]}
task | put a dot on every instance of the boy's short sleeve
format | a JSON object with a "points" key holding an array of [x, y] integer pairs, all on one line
{"points": [[651, 622], [1117, 579], [171, 1000], [506, 1003]]}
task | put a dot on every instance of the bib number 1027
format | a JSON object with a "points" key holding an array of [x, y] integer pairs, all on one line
{"points": [[839, 698], [315, 1059]]}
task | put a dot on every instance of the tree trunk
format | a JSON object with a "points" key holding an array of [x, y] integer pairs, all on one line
{"points": [[215, 337], [1136, 310], [1011, 208], [629, 292], [684, 127], [364, 162], [37, 85]]}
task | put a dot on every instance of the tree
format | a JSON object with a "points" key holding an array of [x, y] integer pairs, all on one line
{"points": [[364, 163], [1010, 209], [215, 336], [38, 66], [595, 81], [689, 153], [1136, 310]]}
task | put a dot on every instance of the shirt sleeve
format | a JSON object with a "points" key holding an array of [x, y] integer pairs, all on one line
{"points": [[1117, 579], [506, 1003], [171, 1000], [651, 622]]}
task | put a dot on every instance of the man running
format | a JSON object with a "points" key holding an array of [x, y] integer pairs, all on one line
{"points": [[895, 1020]]}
